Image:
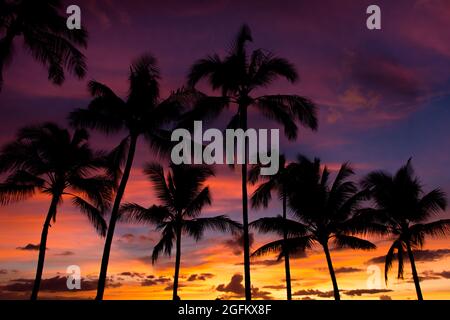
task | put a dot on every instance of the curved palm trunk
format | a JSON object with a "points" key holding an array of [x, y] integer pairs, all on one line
{"points": [[42, 248], [247, 282], [414, 272], [177, 266], [286, 255], [332, 274], [113, 219]]}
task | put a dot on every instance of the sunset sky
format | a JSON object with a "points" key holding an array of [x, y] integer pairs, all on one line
{"points": [[384, 96]]}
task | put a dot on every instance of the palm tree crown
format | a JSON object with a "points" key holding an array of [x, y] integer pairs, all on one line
{"points": [[403, 209], [48, 159], [237, 76], [323, 212], [183, 197], [45, 35]]}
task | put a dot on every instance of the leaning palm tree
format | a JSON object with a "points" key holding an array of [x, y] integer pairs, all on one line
{"points": [[238, 75], [143, 113], [262, 196], [323, 212], [49, 160], [45, 36], [183, 196], [404, 210]]}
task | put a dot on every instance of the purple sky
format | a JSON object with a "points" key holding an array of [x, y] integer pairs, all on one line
{"points": [[383, 95]]}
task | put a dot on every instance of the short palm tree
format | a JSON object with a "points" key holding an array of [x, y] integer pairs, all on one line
{"points": [[183, 196], [262, 196], [48, 159], [45, 35], [323, 212], [238, 75], [143, 113], [404, 210]]}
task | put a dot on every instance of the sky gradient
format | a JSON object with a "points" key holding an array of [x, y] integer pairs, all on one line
{"points": [[384, 96]]}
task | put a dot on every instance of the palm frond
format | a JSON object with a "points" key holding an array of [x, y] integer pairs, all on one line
{"points": [[132, 212], [262, 195], [435, 229], [279, 225], [94, 215], [196, 227], [194, 208], [18, 186], [346, 241], [165, 243], [294, 245]]}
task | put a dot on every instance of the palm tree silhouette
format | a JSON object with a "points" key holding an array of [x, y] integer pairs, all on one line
{"points": [[48, 159], [323, 212], [262, 195], [142, 114], [45, 35], [237, 76], [403, 210], [183, 196]]}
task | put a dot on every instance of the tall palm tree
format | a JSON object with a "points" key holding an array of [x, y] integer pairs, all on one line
{"points": [[143, 113], [183, 196], [323, 212], [45, 35], [48, 159], [262, 196], [238, 75], [404, 210]]}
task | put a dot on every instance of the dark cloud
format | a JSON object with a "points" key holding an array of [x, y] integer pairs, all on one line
{"points": [[170, 286], [276, 287], [383, 73], [444, 274], [360, 292], [432, 275], [29, 247], [200, 277], [132, 274], [54, 284], [266, 262], [234, 286], [151, 280], [385, 297], [235, 289], [314, 292], [419, 256], [237, 243], [131, 238], [65, 253], [347, 270], [3, 271]]}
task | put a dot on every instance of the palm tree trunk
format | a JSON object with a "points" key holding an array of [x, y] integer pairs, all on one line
{"points": [[337, 297], [42, 247], [247, 282], [286, 255], [414, 272], [177, 266], [113, 219]]}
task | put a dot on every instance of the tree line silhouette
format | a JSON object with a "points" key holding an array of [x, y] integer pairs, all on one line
{"points": [[315, 211]]}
